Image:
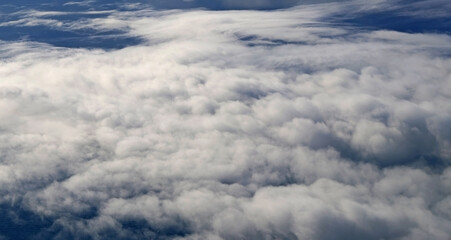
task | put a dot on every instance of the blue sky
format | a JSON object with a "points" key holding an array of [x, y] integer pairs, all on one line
{"points": [[225, 120], [405, 16]]}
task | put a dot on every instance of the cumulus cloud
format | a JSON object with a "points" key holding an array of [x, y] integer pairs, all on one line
{"points": [[228, 125]]}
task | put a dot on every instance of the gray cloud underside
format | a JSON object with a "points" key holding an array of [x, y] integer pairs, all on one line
{"points": [[230, 125]]}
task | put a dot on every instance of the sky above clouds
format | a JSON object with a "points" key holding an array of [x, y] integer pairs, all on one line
{"points": [[225, 120]]}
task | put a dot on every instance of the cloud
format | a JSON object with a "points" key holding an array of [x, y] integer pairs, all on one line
{"points": [[228, 125]]}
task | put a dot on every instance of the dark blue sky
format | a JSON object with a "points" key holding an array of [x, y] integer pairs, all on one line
{"points": [[404, 16]]}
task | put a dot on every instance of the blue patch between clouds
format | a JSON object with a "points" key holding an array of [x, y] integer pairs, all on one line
{"points": [[387, 20]]}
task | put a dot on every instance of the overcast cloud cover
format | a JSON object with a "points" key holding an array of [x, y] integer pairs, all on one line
{"points": [[197, 124]]}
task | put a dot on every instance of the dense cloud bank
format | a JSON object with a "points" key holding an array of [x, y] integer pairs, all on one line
{"points": [[227, 125]]}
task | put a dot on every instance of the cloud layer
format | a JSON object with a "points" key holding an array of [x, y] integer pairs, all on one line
{"points": [[227, 125]]}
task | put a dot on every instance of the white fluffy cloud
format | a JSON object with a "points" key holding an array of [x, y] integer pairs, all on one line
{"points": [[229, 125]]}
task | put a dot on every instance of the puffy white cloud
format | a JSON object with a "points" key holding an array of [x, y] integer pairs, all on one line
{"points": [[229, 125]]}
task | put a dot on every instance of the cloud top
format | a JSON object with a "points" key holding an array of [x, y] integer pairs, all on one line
{"points": [[227, 125]]}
